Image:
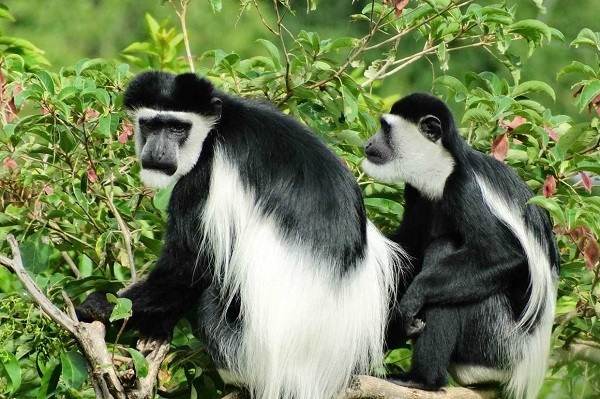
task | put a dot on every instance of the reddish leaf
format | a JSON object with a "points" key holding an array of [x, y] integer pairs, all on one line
{"points": [[123, 137], [48, 190], [595, 104], [87, 115], [91, 175], [587, 182], [91, 113], [591, 255], [11, 114], [551, 132], [9, 164], [398, 5], [500, 147], [512, 125], [126, 131], [579, 232], [549, 187]]}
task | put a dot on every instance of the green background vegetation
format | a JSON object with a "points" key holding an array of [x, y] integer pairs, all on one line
{"points": [[69, 189]]}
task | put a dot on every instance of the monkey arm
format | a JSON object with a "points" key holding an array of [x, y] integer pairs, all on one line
{"points": [[160, 300], [449, 276]]}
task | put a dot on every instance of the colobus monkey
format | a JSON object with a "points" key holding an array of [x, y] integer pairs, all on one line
{"points": [[266, 235], [482, 302]]}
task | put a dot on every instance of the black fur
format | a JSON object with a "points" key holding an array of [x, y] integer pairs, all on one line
{"points": [[297, 179], [471, 271]]}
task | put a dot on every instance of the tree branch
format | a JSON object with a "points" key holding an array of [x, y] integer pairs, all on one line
{"points": [[124, 230], [90, 337], [367, 387], [578, 350]]}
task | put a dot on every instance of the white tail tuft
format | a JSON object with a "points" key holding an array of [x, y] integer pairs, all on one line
{"points": [[533, 329]]}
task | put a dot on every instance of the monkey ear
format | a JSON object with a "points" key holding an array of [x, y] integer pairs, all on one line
{"points": [[217, 104], [431, 127]]}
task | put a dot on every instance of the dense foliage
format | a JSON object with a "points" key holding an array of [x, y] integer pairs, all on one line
{"points": [[70, 192]]}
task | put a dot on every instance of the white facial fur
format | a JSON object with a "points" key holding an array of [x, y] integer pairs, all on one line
{"points": [[419, 162], [187, 154]]}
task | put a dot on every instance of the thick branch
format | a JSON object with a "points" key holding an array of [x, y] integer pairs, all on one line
{"points": [[577, 351], [367, 387], [364, 386], [155, 352]]}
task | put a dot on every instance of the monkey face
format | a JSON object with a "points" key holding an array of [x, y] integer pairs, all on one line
{"points": [[410, 150], [168, 143]]}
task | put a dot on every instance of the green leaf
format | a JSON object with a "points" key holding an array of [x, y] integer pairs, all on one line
{"points": [[46, 81], [122, 309], [35, 254], [96, 283], [139, 362], [350, 105], [590, 91], [161, 199], [351, 137], [107, 124], [556, 211], [454, 86], [10, 368], [273, 52], [85, 64], [578, 67], [216, 6], [49, 381], [534, 86], [477, 114], [74, 370], [567, 140], [67, 92], [341, 43], [5, 14], [587, 37], [531, 30]]}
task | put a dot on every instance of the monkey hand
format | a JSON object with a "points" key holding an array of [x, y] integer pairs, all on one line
{"points": [[95, 308], [406, 314], [415, 327]]}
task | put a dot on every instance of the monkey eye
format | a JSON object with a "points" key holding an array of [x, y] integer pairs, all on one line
{"points": [[431, 127], [178, 128]]}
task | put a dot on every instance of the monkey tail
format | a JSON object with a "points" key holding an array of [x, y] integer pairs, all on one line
{"points": [[528, 374], [533, 330]]}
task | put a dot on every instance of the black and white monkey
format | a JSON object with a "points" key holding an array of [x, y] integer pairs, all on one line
{"points": [[481, 304], [266, 236]]}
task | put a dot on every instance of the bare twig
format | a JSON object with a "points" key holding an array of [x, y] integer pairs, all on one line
{"points": [[181, 14], [71, 264], [124, 230], [262, 18]]}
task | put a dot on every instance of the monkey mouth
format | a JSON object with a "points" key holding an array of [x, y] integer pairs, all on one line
{"points": [[168, 169], [374, 156]]}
